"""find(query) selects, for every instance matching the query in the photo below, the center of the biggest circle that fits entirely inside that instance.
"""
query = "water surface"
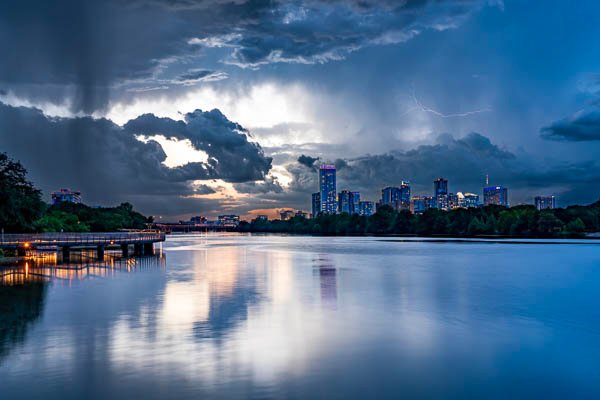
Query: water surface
(230, 316)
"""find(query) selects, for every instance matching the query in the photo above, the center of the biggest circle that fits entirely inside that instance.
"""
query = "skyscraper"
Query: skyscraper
(420, 204)
(440, 186)
(545, 202)
(397, 197)
(440, 193)
(327, 189)
(316, 204)
(497, 195)
(355, 201)
(404, 200)
(366, 208)
(345, 202)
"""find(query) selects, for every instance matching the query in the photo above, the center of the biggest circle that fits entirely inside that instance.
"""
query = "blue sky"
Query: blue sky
(387, 90)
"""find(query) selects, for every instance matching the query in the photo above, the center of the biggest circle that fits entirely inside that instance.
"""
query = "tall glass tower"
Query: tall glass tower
(327, 189)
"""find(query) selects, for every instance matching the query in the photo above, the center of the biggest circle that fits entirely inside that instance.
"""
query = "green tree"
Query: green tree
(576, 226)
(20, 202)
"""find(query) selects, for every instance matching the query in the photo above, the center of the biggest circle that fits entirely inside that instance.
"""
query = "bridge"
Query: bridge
(142, 242)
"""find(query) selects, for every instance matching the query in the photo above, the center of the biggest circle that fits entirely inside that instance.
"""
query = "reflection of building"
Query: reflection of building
(545, 202)
(420, 204)
(366, 208)
(228, 220)
(495, 195)
(327, 186)
(286, 214)
(316, 204)
(327, 283)
(66, 196)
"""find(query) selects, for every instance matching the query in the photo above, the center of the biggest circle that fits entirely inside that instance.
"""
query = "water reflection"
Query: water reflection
(46, 267)
(20, 306)
(277, 317)
(327, 280)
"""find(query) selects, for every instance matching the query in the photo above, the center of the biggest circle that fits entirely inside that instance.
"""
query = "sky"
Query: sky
(205, 107)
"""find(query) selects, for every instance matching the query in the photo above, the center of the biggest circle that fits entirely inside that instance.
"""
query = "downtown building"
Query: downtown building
(495, 195)
(420, 204)
(316, 204)
(396, 197)
(366, 208)
(440, 194)
(66, 196)
(348, 202)
(467, 200)
(545, 202)
(327, 189)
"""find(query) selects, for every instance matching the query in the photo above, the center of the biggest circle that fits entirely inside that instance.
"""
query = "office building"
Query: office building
(453, 201)
(467, 200)
(396, 197)
(345, 201)
(355, 201)
(420, 204)
(366, 208)
(545, 202)
(316, 204)
(198, 220)
(66, 196)
(495, 195)
(327, 189)
(440, 193)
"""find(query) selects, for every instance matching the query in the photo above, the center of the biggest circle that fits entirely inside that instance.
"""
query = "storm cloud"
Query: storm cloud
(581, 127)
(86, 50)
(465, 162)
(109, 164)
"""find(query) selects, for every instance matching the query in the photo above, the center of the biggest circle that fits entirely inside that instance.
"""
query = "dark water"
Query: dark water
(302, 317)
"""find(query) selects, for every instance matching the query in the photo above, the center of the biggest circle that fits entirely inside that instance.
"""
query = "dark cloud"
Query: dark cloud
(582, 127)
(231, 155)
(108, 164)
(308, 161)
(86, 49)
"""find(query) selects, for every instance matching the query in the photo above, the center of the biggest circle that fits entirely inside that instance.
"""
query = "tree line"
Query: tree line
(23, 210)
(518, 221)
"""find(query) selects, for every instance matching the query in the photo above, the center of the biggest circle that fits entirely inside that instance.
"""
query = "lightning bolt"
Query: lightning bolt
(419, 106)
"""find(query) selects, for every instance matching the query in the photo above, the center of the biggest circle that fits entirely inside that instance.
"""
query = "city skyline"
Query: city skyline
(235, 108)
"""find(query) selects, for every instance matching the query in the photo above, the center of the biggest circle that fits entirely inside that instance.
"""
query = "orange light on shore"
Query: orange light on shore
(26, 245)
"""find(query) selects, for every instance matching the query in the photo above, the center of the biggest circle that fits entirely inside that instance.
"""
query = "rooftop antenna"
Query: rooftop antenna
(487, 180)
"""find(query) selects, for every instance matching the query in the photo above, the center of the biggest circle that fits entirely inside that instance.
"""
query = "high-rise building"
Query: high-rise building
(327, 189)
(420, 204)
(316, 204)
(355, 201)
(390, 196)
(467, 200)
(545, 202)
(404, 200)
(497, 195)
(66, 196)
(396, 197)
(344, 201)
(230, 220)
(366, 208)
(440, 186)
(440, 193)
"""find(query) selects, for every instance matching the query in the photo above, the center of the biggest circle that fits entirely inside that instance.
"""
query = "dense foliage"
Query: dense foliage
(70, 217)
(20, 202)
(522, 221)
(22, 208)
